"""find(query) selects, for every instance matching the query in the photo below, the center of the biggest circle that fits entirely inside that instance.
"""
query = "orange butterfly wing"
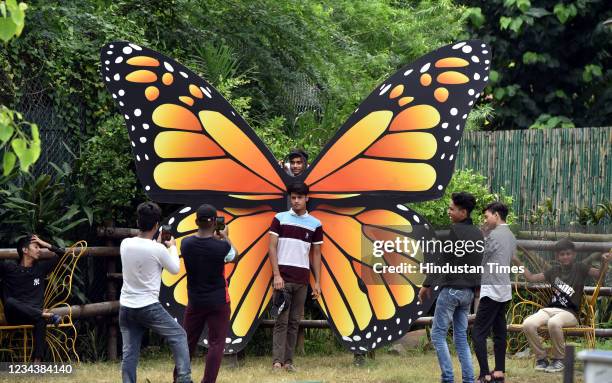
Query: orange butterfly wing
(249, 279)
(366, 306)
(403, 139)
(188, 141)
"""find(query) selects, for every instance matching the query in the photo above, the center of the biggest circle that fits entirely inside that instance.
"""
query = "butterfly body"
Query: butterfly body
(399, 146)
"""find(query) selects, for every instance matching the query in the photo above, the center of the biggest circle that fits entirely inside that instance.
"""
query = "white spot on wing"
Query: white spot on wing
(127, 50)
(168, 67)
(425, 67)
(384, 89)
(459, 45)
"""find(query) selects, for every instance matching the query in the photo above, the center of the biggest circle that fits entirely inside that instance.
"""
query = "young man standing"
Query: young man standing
(567, 281)
(456, 290)
(205, 255)
(23, 290)
(142, 260)
(495, 292)
(292, 234)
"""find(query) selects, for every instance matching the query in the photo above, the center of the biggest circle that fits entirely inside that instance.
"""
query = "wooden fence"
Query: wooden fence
(571, 166)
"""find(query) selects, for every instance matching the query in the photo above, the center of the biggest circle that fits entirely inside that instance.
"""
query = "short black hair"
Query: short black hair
(298, 153)
(564, 244)
(205, 216)
(465, 201)
(497, 207)
(149, 213)
(23, 243)
(298, 188)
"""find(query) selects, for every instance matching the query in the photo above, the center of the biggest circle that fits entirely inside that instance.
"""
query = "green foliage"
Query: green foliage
(467, 181)
(264, 50)
(12, 19)
(15, 143)
(107, 162)
(600, 214)
(546, 121)
(550, 59)
(38, 205)
(545, 214)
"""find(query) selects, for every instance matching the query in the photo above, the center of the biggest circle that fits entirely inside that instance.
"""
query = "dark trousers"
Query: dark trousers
(491, 315)
(18, 313)
(217, 319)
(286, 326)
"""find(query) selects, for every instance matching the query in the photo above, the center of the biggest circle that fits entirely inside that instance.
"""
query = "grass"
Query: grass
(416, 367)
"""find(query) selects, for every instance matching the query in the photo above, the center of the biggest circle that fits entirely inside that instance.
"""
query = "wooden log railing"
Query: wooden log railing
(112, 308)
(113, 251)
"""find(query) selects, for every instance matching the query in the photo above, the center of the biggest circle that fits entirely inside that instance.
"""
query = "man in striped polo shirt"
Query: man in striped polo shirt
(294, 236)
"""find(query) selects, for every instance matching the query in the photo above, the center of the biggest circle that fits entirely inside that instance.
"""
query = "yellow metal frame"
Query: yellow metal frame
(17, 341)
(527, 306)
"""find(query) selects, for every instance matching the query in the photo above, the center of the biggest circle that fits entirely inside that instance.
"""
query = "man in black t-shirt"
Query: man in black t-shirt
(23, 289)
(205, 255)
(567, 282)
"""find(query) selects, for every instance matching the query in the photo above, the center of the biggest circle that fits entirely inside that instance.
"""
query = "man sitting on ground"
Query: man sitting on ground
(567, 281)
(23, 289)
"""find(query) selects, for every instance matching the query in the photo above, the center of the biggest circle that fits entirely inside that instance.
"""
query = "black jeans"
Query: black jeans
(18, 313)
(491, 315)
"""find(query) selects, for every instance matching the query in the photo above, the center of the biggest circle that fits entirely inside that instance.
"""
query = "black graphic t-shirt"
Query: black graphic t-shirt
(26, 284)
(567, 284)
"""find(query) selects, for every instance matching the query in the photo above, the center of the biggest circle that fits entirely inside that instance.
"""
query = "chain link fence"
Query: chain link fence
(37, 107)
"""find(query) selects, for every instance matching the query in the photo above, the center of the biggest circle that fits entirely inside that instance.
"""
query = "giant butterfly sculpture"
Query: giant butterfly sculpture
(399, 146)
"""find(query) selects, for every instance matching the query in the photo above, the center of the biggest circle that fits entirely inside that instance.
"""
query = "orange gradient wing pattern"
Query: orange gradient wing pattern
(366, 306)
(403, 139)
(188, 142)
(249, 280)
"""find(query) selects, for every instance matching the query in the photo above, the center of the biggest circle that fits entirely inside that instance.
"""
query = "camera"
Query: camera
(219, 223)
(166, 233)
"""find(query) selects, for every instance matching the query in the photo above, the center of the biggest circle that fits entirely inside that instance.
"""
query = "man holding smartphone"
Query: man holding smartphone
(142, 260)
(205, 254)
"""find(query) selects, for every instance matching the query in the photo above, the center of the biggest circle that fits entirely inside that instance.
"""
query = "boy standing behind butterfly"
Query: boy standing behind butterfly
(292, 234)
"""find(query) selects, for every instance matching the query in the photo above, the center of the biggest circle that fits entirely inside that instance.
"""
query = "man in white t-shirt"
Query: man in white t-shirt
(142, 260)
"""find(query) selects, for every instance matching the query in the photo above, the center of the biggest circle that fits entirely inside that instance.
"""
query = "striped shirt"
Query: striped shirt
(296, 234)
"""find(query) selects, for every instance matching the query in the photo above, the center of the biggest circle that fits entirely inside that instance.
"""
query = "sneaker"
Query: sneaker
(482, 379)
(56, 319)
(359, 360)
(555, 366)
(542, 364)
(290, 367)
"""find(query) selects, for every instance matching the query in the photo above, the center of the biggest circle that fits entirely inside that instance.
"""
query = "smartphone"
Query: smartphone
(219, 223)
(166, 233)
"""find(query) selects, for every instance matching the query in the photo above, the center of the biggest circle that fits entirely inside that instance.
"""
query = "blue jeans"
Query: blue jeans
(133, 324)
(453, 305)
